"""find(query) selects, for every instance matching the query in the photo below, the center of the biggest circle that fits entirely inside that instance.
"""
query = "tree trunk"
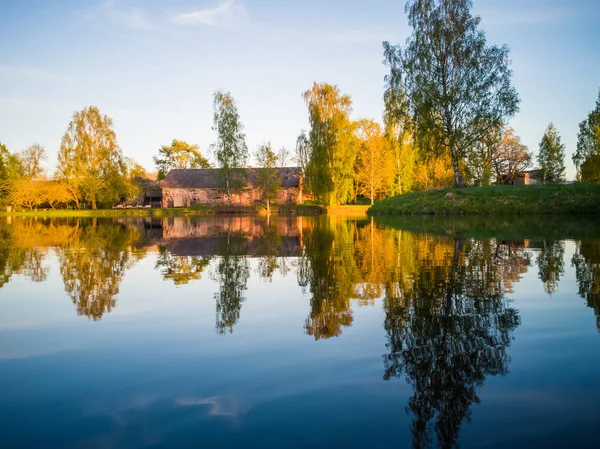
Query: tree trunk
(458, 177)
(228, 191)
(94, 207)
(268, 206)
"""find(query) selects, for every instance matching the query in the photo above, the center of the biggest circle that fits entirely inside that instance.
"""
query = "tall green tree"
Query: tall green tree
(32, 160)
(178, 155)
(267, 178)
(588, 139)
(230, 149)
(333, 144)
(458, 88)
(551, 156)
(590, 169)
(90, 160)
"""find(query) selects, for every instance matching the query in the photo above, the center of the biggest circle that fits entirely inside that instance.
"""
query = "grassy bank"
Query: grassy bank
(299, 210)
(575, 198)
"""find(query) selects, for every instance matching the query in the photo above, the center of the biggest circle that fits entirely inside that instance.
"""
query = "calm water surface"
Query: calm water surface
(299, 332)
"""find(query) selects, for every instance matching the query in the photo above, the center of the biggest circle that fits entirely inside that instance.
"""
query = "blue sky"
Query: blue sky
(152, 65)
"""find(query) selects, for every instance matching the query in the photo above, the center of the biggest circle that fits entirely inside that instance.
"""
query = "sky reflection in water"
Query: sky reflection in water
(296, 332)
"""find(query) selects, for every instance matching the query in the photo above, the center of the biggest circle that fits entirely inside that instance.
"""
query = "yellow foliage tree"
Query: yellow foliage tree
(374, 164)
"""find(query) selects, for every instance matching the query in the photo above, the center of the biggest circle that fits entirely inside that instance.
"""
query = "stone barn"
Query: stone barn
(200, 186)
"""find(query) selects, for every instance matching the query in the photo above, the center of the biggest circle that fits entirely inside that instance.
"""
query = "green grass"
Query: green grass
(577, 198)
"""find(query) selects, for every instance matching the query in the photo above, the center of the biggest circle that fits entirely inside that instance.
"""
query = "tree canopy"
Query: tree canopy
(230, 149)
(332, 144)
(511, 157)
(457, 88)
(268, 180)
(179, 154)
(32, 159)
(374, 164)
(551, 156)
(588, 139)
(90, 160)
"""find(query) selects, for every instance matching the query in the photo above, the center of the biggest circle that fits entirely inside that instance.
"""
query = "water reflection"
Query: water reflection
(337, 262)
(94, 262)
(448, 318)
(448, 326)
(587, 270)
(550, 262)
(330, 274)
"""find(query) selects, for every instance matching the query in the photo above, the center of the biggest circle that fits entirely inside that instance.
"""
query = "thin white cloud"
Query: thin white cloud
(132, 18)
(227, 14)
(33, 73)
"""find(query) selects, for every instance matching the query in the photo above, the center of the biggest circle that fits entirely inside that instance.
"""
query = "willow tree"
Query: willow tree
(230, 149)
(332, 143)
(179, 155)
(458, 89)
(90, 160)
(588, 139)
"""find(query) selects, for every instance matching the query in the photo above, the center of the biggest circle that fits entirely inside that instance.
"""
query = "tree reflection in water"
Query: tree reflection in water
(448, 326)
(551, 264)
(180, 269)
(328, 269)
(447, 320)
(94, 263)
(231, 272)
(587, 272)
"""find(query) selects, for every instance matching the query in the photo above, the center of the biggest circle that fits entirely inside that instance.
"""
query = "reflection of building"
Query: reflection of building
(189, 187)
(207, 237)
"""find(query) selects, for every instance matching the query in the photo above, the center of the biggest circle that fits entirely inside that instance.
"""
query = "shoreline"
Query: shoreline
(198, 211)
(538, 199)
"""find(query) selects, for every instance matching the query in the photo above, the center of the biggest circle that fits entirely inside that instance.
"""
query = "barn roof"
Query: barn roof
(207, 178)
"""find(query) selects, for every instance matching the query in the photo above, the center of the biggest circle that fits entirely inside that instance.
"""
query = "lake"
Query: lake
(296, 332)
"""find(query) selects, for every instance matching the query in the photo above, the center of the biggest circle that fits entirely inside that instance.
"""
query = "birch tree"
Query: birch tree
(230, 149)
(268, 180)
(458, 88)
